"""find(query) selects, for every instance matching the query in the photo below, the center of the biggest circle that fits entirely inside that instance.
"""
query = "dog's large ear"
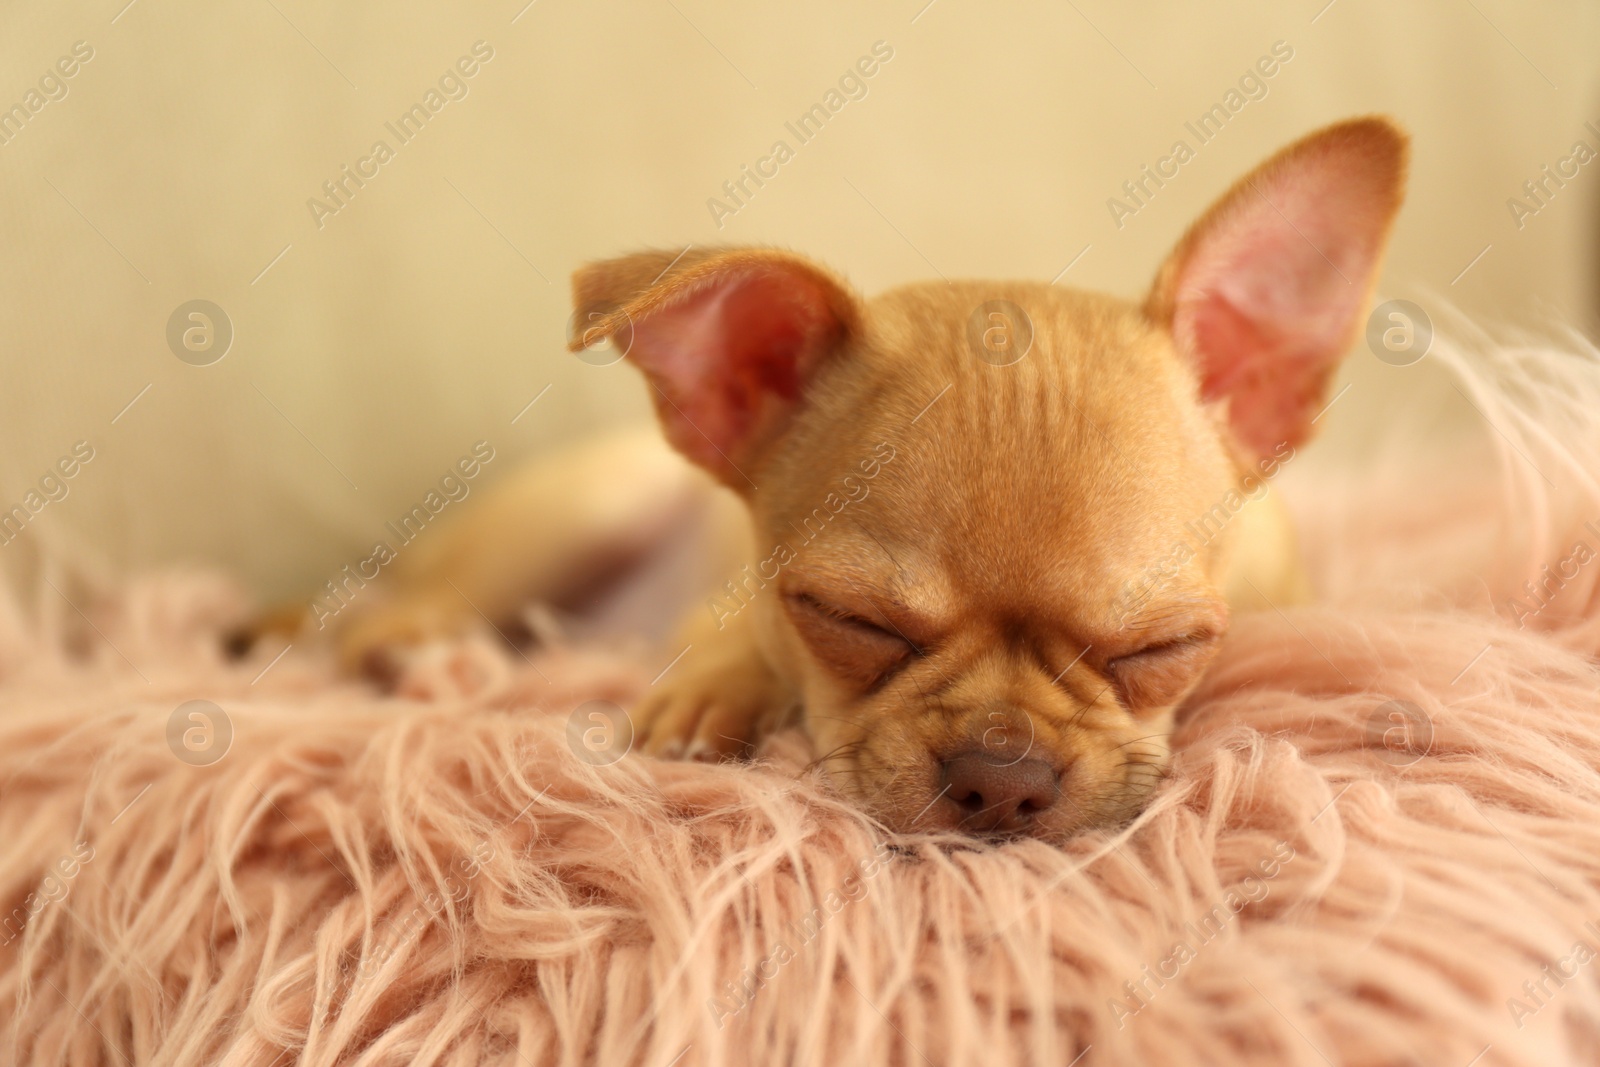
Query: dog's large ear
(1266, 291)
(729, 338)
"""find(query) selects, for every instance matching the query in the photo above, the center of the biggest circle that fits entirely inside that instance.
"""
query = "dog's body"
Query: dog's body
(982, 559)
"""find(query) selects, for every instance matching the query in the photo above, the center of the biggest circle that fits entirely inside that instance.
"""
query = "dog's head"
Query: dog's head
(991, 517)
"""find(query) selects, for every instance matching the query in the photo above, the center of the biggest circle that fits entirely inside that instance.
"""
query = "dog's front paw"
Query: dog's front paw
(716, 709)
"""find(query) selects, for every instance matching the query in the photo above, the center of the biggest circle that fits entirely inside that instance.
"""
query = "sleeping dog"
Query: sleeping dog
(967, 511)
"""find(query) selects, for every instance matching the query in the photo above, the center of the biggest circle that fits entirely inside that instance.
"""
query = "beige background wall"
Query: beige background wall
(426, 313)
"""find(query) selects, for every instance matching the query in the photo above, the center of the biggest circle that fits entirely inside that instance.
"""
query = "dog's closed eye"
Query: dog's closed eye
(1158, 674)
(859, 650)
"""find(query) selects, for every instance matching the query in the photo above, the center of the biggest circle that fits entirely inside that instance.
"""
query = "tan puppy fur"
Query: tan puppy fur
(975, 582)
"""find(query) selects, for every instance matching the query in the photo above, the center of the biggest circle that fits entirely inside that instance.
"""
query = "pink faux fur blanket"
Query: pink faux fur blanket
(1380, 843)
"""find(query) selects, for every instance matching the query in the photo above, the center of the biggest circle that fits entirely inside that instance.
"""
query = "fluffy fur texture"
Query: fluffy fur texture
(439, 879)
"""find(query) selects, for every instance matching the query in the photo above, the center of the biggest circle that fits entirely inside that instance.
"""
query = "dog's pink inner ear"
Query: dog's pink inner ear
(1269, 288)
(729, 360)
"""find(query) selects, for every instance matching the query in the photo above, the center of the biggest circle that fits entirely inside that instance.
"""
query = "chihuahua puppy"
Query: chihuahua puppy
(993, 531)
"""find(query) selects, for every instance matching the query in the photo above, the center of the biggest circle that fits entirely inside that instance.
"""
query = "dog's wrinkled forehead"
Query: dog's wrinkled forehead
(1023, 420)
(1015, 405)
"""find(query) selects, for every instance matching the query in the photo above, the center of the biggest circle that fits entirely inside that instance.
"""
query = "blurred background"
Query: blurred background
(390, 307)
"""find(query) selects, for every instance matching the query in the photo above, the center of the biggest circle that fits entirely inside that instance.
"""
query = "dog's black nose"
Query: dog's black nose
(999, 795)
